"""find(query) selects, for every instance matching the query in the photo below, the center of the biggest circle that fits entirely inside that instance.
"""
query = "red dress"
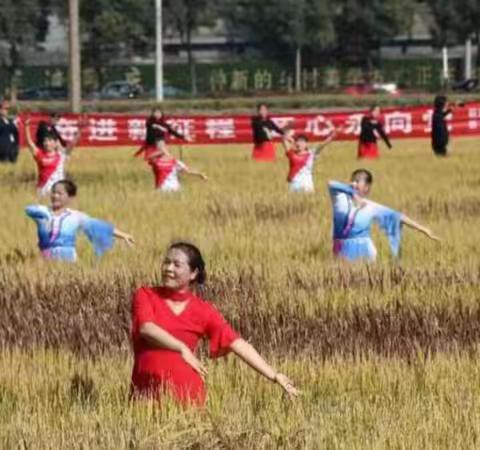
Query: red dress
(264, 151)
(367, 150)
(157, 370)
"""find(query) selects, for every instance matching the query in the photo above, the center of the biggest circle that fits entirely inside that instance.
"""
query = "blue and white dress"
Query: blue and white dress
(352, 225)
(57, 234)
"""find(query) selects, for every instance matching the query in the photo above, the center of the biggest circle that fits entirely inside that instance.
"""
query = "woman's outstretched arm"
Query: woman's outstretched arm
(28, 137)
(194, 173)
(247, 353)
(128, 238)
(418, 227)
(327, 141)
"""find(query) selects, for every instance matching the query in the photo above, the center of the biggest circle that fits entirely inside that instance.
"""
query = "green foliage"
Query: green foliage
(364, 25)
(448, 22)
(22, 24)
(184, 17)
(281, 25)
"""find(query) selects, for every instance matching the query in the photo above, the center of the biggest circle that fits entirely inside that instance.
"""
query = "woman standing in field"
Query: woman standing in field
(59, 225)
(353, 215)
(50, 157)
(158, 130)
(370, 126)
(440, 134)
(167, 323)
(166, 170)
(301, 160)
(263, 128)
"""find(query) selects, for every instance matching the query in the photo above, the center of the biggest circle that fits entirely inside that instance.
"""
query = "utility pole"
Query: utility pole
(158, 52)
(75, 84)
(445, 68)
(468, 59)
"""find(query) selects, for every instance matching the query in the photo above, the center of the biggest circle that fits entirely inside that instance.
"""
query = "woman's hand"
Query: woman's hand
(429, 233)
(287, 385)
(193, 361)
(128, 238)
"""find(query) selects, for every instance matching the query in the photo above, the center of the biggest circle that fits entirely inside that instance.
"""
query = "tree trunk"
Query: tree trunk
(477, 34)
(14, 64)
(191, 62)
(298, 69)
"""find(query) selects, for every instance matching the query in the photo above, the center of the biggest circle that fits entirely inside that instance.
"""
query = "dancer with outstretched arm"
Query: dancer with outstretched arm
(370, 127)
(354, 214)
(301, 160)
(58, 226)
(263, 129)
(157, 132)
(169, 320)
(51, 157)
(167, 169)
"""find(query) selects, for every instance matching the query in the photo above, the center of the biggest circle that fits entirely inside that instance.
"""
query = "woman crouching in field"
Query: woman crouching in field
(301, 160)
(59, 225)
(353, 215)
(167, 323)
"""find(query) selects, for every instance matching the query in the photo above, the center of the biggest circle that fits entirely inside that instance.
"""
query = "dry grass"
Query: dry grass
(386, 354)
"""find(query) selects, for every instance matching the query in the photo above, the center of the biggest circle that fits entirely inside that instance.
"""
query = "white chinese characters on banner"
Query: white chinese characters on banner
(185, 127)
(103, 130)
(473, 118)
(282, 122)
(136, 129)
(319, 126)
(68, 128)
(353, 124)
(220, 128)
(398, 121)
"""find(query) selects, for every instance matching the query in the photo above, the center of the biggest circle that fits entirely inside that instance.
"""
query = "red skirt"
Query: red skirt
(368, 150)
(264, 151)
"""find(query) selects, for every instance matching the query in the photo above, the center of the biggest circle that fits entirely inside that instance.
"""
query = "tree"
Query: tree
(364, 25)
(467, 21)
(288, 26)
(23, 23)
(184, 17)
(112, 29)
(447, 22)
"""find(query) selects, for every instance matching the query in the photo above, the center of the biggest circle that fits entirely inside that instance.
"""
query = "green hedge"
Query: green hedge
(246, 76)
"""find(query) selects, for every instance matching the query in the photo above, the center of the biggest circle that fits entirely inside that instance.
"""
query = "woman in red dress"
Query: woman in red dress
(167, 324)
(263, 128)
(371, 126)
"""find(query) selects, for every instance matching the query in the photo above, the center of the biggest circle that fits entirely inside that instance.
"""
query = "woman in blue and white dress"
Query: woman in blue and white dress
(354, 214)
(58, 226)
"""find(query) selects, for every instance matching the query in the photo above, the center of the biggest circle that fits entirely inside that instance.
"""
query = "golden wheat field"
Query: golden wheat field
(386, 355)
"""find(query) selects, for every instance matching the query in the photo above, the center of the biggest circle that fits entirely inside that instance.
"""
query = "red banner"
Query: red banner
(120, 130)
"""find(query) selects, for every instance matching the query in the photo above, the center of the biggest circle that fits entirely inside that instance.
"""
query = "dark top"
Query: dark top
(368, 127)
(155, 134)
(440, 134)
(260, 126)
(8, 140)
(45, 128)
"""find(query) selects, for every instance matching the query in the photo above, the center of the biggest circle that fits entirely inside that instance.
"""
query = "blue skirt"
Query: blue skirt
(355, 249)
